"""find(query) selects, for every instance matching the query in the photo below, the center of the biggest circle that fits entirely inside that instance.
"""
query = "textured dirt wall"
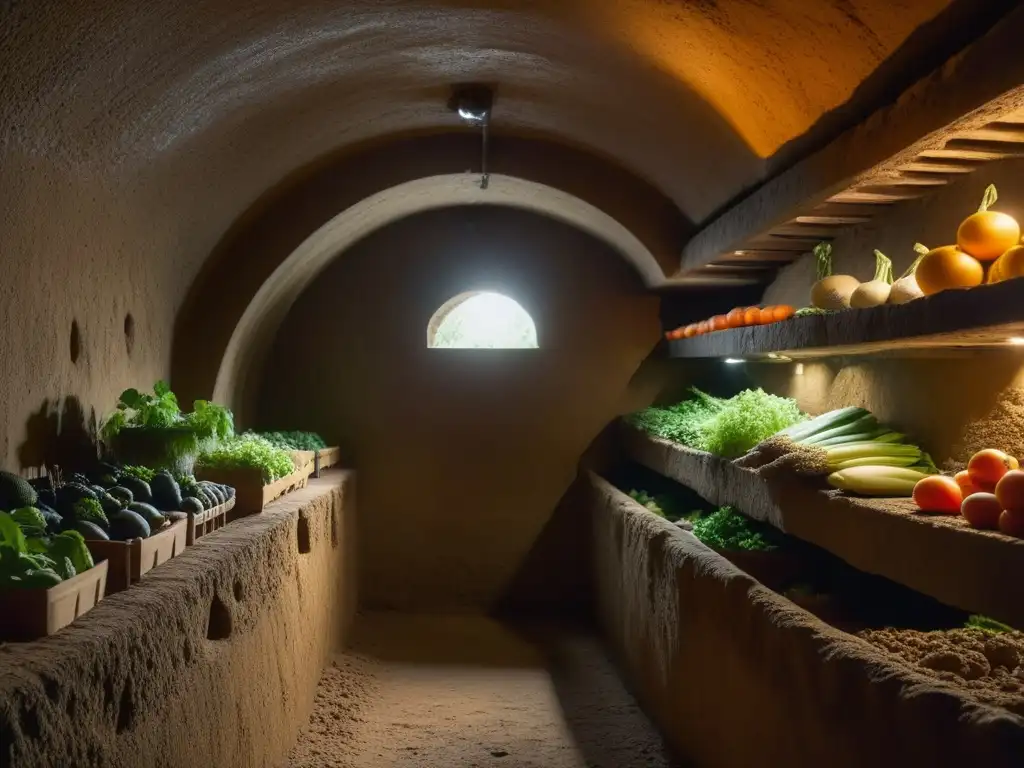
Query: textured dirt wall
(463, 454)
(737, 676)
(212, 660)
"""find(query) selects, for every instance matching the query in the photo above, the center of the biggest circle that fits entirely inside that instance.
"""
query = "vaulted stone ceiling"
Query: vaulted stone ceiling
(225, 99)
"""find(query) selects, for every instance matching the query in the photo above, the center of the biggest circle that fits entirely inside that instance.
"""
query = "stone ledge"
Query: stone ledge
(211, 660)
(940, 556)
(737, 675)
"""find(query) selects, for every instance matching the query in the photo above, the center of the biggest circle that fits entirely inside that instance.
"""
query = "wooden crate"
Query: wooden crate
(129, 561)
(208, 521)
(32, 613)
(251, 495)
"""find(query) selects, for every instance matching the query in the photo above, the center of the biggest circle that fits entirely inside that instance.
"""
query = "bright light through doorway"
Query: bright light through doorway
(482, 320)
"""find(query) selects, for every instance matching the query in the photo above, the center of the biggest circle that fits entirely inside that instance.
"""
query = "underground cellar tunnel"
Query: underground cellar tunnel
(462, 383)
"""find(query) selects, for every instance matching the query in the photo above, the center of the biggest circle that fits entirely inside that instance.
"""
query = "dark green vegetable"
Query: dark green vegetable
(127, 525)
(30, 520)
(193, 505)
(90, 531)
(20, 567)
(15, 492)
(145, 474)
(121, 493)
(148, 513)
(728, 530)
(166, 492)
(91, 510)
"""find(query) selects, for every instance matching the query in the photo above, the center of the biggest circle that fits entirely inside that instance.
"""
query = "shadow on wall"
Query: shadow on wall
(59, 434)
(463, 454)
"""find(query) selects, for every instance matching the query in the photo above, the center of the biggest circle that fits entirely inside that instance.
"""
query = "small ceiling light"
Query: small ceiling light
(473, 103)
(799, 369)
(1016, 341)
(733, 361)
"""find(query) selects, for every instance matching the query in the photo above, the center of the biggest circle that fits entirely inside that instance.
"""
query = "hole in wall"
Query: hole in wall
(239, 594)
(220, 624)
(126, 708)
(334, 528)
(305, 545)
(129, 333)
(75, 342)
(30, 725)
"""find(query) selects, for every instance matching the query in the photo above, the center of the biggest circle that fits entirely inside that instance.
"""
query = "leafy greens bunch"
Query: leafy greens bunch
(295, 440)
(208, 422)
(729, 530)
(38, 562)
(726, 427)
(249, 451)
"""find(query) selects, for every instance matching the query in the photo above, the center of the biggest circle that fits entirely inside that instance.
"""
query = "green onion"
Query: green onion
(830, 420)
(858, 426)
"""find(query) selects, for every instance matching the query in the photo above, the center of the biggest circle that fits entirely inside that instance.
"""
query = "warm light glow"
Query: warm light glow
(799, 369)
(733, 361)
(472, 115)
(1016, 340)
(485, 321)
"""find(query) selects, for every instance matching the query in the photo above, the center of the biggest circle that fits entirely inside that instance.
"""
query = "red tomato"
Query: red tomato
(938, 493)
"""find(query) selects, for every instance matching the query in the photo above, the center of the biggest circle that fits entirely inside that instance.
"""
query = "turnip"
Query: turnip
(906, 288)
(875, 292)
(831, 291)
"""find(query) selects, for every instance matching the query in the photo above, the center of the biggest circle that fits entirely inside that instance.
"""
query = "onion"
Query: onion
(875, 292)
(906, 288)
(831, 291)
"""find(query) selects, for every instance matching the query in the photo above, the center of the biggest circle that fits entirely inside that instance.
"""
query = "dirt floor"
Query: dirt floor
(467, 691)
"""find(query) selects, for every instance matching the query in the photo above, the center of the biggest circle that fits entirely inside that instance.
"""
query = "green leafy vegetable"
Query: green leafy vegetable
(208, 422)
(30, 520)
(727, 529)
(20, 566)
(211, 421)
(249, 451)
(92, 511)
(71, 545)
(142, 473)
(724, 427)
(985, 624)
(295, 441)
(644, 499)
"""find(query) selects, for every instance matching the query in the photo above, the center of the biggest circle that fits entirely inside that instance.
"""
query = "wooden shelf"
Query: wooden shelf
(985, 316)
(940, 556)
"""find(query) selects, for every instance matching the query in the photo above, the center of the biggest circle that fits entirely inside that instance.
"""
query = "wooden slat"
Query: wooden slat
(987, 155)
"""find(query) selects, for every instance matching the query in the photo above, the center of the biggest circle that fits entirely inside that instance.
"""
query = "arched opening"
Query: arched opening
(481, 320)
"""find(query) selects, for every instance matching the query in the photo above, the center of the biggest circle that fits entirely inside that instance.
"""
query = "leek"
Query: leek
(861, 450)
(830, 420)
(862, 437)
(858, 426)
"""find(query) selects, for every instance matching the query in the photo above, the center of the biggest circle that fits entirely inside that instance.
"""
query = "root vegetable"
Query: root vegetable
(947, 267)
(831, 291)
(906, 288)
(988, 466)
(874, 292)
(938, 493)
(987, 235)
(982, 510)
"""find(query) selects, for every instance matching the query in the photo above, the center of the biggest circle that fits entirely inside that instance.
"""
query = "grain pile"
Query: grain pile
(987, 665)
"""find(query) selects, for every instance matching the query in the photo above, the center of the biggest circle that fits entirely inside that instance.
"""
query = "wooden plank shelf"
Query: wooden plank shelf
(986, 316)
(937, 555)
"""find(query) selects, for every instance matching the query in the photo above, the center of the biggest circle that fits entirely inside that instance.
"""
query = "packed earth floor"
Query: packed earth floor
(467, 691)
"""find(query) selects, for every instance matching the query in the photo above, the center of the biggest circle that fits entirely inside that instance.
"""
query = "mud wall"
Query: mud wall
(735, 675)
(463, 454)
(212, 660)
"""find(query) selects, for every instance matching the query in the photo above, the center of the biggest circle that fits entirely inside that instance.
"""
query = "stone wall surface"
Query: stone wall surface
(736, 675)
(212, 660)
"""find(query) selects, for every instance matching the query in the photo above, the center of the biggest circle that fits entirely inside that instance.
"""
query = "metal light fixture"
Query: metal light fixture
(473, 103)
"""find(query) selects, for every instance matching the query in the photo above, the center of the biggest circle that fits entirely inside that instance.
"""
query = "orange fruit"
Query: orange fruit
(987, 235)
(947, 267)
(987, 467)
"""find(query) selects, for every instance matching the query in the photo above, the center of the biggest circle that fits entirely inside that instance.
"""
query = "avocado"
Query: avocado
(99, 490)
(110, 504)
(166, 492)
(207, 498)
(192, 504)
(68, 494)
(90, 531)
(15, 492)
(140, 489)
(229, 491)
(215, 492)
(149, 513)
(122, 493)
(176, 517)
(125, 525)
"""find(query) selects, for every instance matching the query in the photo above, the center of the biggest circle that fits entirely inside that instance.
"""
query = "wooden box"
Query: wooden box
(208, 521)
(129, 561)
(28, 614)
(251, 495)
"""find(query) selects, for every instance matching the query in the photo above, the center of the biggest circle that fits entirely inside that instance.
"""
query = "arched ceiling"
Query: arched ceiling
(215, 101)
